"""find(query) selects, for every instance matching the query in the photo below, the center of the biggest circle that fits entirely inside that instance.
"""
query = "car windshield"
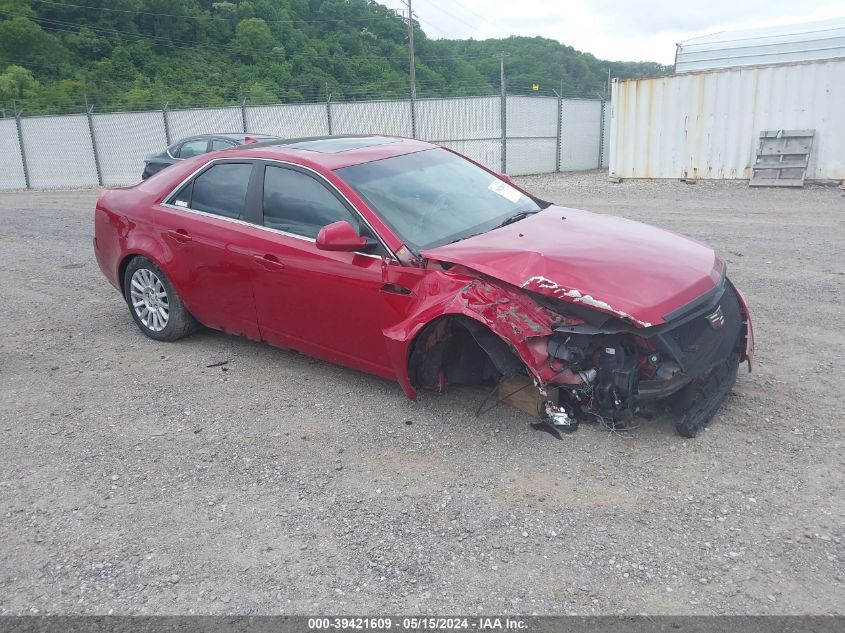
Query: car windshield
(435, 197)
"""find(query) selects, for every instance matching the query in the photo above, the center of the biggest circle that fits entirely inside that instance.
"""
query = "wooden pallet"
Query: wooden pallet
(782, 158)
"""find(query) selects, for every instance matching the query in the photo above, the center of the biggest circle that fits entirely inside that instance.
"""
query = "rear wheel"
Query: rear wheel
(154, 303)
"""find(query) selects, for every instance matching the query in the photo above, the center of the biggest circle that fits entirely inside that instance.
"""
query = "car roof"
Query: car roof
(333, 152)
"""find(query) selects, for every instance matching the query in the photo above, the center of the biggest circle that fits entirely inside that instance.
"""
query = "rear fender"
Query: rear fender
(145, 245)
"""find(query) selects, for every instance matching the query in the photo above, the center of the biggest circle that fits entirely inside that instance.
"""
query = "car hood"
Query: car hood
(613, 265)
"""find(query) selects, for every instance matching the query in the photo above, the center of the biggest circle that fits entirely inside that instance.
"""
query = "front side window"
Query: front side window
(193, 148)
(434, 197)
(295, 202)
(220, 189)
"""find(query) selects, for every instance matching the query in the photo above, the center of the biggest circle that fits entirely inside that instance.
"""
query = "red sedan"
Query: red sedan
(406, 260)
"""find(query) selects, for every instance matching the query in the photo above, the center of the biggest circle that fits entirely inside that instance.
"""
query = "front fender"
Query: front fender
(512, 315)
(748, 348)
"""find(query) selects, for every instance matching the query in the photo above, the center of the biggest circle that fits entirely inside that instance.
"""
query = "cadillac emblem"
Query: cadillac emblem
(716, 319)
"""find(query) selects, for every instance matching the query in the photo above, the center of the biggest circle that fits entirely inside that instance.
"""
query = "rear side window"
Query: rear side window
(193, 148)
(220, 144)
(297, 203)
(220, 190)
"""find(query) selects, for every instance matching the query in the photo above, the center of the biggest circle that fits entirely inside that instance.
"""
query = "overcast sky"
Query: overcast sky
(619, 30)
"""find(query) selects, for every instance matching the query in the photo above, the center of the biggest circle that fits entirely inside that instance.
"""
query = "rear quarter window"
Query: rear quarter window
(193, 148)
(220, 190)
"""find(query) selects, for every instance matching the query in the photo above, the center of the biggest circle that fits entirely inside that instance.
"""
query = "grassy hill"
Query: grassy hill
(136, 54)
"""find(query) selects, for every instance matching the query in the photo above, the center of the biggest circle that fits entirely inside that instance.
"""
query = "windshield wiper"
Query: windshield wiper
(516, 217)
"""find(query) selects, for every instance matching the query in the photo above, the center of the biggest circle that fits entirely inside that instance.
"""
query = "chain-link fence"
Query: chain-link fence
(516, 134)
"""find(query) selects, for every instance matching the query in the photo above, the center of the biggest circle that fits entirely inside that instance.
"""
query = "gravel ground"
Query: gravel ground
(135, 479)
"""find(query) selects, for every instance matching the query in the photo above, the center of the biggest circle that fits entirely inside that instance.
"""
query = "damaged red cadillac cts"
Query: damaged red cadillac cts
(406, 260)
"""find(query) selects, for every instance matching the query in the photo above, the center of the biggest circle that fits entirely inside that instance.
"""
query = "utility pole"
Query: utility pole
(413, 66)
(503, 111)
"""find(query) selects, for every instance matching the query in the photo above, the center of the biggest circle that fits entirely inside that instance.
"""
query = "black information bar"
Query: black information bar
(410, 623)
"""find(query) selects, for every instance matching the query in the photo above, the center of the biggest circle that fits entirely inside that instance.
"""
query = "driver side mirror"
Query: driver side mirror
(505, 177)
(340, 236)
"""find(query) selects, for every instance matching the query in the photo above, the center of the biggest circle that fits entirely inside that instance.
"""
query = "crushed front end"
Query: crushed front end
(610, 368)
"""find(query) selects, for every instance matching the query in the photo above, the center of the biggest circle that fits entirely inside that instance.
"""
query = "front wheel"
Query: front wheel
(154, 303)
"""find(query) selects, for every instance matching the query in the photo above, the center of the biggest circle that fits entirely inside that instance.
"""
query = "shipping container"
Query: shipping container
(707, 124)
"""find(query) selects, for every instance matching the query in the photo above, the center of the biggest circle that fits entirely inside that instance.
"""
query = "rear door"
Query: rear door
(326, 304)
(204, 225)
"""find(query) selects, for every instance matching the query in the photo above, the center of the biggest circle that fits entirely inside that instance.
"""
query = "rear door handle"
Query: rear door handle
(270, 262)
(180, 235)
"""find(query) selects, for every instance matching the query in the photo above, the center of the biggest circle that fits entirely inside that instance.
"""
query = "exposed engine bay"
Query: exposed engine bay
(600, 366)
(692, 358)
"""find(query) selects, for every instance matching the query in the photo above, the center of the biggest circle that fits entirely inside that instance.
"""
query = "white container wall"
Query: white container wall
(707, 125)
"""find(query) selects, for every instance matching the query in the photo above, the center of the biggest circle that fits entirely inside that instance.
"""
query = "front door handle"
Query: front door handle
(270, 262)
(180, 235)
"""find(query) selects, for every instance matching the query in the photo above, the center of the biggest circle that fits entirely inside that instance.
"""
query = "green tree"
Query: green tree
(253, 39)
(17, 83)
(24, 41)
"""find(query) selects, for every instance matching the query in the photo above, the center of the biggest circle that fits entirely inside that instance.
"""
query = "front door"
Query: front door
(325, 304)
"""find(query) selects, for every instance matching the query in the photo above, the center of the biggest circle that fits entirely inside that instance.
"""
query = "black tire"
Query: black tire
(698, 402)
(180, 322)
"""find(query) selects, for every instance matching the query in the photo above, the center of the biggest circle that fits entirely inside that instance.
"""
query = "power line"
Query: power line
(205, 17)
(460, 19)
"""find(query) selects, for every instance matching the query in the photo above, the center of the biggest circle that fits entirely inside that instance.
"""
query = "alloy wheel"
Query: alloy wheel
(149, 299)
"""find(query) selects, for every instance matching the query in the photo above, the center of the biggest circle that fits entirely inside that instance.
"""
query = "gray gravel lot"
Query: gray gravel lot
(134, 479)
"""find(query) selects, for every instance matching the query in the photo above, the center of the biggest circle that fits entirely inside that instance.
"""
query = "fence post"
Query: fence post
(243, 114)
(20, 144)
(559, 131)
(601, 134)
(413, 116)
(166, 123)
(503, 112)
(88, 113)
(329, 109)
